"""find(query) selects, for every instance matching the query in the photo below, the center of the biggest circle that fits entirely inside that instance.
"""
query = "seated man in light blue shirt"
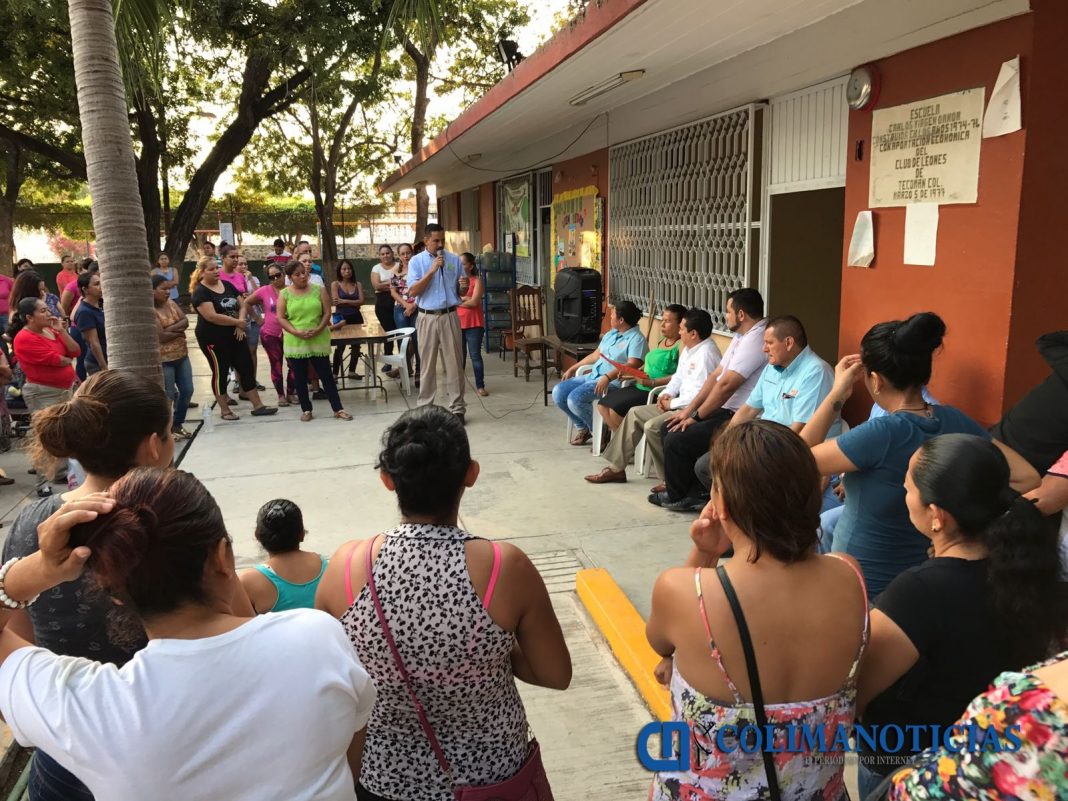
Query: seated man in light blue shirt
(623, 343)
(790, 388)
(433, 280)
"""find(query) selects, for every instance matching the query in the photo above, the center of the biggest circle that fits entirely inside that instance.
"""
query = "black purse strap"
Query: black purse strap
(754, 681)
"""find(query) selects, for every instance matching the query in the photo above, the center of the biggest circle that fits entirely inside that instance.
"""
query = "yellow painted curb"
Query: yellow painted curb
(624, 629)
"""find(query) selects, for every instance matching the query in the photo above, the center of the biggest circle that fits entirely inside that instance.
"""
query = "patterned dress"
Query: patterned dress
(1038, 770)
(459, 661)
(715, 775)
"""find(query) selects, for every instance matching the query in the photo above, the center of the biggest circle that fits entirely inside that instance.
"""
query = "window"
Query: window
(683, 214)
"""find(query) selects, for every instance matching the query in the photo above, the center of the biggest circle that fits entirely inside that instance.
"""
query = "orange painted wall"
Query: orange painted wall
(971, 284)
(1040, 294)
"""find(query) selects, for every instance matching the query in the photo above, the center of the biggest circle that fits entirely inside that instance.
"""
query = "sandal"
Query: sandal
(306, 417)
(342, 415)
(283, 402)
(264, 411)
(230, 416)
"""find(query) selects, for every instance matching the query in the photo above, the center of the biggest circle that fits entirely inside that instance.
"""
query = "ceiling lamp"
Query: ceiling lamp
(588, 94)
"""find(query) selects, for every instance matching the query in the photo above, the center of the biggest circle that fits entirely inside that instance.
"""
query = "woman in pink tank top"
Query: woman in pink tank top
(807, 616)
(468, 617)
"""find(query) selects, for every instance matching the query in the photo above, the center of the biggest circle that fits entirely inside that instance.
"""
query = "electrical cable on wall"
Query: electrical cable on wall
(536, 165)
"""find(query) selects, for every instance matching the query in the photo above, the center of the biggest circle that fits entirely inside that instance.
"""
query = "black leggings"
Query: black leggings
(384, 312)
(225, 352)
(322, 367)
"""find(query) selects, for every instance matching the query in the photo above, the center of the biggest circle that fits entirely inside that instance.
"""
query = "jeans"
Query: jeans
(49, 781)
(868, 780)
(178, 384)
(400, 321)
(79, 367)
(322, 367)
(473, 341)
(575, 396)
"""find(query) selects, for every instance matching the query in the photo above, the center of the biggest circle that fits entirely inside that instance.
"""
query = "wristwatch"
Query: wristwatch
(695, 415)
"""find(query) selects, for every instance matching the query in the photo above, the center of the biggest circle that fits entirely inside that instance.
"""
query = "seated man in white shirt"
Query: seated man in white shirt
(699, 358)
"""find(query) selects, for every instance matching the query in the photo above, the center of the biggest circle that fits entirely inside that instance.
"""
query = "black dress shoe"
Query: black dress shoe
(688, 504)
(658, 498)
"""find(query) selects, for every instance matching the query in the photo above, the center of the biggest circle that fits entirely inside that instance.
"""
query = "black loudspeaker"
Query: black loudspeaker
(578, 305)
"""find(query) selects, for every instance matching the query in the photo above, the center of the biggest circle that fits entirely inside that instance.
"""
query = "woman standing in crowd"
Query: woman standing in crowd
(7, 285)
(271, 332)
(26, 285)
(70, 295)
(174, 353)
(116, 421)
(807, 615)
(405, 311)
(660, 365)
(1033, 703)
(895, 362)
(381, 274)
(158, 544)
(304, 314)
(89, 320)
(290, 576)
(347, 295)
(163, 269)
(463, 637)
(472, 320)
(45, 353)
(993, 579)
(255, 320)
(67, 272)
(220, 333)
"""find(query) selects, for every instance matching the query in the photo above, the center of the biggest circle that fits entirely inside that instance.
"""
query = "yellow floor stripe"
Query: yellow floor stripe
(624, 629)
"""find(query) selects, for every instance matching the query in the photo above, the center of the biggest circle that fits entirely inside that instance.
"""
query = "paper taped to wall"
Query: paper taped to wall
(921, 233)
(862, 245)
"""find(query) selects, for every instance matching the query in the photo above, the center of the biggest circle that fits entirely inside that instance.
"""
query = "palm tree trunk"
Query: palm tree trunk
(118, 218)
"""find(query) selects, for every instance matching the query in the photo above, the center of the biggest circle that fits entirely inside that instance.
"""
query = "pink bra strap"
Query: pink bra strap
(493, 576)
(867, 617)
(711, 642)
(348, 572)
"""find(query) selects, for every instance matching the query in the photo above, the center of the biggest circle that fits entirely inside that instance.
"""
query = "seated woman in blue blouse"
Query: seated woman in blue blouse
(895, 362)
(623, 343)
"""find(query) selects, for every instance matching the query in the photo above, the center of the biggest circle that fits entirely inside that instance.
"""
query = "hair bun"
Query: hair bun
(920, 334)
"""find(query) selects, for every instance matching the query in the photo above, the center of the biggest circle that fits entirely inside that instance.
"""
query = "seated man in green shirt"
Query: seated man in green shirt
(660, 364)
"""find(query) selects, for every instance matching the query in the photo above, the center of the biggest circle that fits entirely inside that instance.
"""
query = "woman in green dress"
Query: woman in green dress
(304, 313)
(660, 364)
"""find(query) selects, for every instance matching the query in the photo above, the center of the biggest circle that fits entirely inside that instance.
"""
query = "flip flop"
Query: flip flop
(342, 415)
(283, 402)
(231, 416)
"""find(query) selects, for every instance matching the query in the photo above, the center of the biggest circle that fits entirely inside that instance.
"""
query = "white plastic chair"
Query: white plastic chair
(400, 337)
(585, 369)
(641, 453)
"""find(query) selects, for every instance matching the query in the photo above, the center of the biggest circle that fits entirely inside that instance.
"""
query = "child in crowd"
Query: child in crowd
(290, 576)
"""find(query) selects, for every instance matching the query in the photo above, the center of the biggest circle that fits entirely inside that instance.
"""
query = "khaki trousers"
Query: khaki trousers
(440, 334)
(640, 421)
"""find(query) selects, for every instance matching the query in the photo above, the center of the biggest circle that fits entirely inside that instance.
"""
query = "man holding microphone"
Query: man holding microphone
(433, 280)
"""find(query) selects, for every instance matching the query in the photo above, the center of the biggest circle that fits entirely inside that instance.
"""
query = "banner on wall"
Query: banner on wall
(577, 222)
(516, 208)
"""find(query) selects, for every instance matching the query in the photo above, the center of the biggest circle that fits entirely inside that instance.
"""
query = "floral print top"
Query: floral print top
(1038, 770)
(715, 774)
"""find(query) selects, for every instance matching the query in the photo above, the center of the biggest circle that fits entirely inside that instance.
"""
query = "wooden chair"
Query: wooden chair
(528, 323)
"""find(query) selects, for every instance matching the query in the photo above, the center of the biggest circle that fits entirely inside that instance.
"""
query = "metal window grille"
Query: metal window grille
(681, 222)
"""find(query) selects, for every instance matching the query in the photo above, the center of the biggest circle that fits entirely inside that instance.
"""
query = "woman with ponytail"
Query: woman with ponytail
(173, 722)
(986, 601)
(895, 363)
(116, 421)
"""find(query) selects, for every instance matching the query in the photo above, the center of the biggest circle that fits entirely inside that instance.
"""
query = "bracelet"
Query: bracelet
(4, 599)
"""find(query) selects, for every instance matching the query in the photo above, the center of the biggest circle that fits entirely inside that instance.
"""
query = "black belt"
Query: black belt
(438, 311)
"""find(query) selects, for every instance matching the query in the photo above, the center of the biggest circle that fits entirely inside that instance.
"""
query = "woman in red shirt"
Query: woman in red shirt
(46, 353)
